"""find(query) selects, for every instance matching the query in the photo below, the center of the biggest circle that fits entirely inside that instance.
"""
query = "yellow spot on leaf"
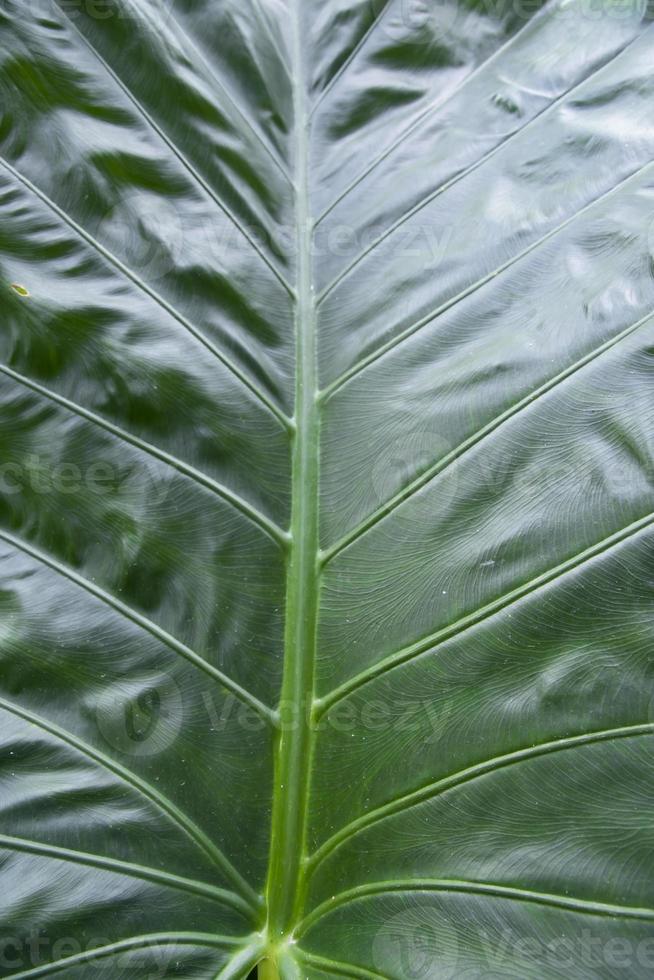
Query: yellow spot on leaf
(19, 289)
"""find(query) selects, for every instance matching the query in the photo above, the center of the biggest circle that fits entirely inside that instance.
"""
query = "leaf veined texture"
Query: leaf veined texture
(326, 489)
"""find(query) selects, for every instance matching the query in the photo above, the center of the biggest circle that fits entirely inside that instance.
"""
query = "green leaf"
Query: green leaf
(326, 489)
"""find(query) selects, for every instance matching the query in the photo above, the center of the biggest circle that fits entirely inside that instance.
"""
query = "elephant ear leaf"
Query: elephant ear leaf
(326, 489)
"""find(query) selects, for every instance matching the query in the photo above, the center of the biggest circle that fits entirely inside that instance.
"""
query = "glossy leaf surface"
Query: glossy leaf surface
(326, 489)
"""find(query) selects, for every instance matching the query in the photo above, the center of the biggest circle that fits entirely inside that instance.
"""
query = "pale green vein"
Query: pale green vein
(201, 57)
(294, 748)
(128, 869)
(390, 345)
(172, 146)
(439, 786)
(142, 621)
(377, 17)
(254, 390)
(459, 451)
(160, 800)
(243, 962)
(152, 941)
(438, 104)
(239, 503)
(493, 890)
(264, 20)
(429, 643)
(341, 969)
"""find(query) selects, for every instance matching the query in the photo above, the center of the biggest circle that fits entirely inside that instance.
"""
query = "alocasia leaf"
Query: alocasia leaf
(326, 489)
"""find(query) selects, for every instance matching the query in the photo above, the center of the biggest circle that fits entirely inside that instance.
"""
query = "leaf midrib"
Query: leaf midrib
(285, 883)
(303, 568)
